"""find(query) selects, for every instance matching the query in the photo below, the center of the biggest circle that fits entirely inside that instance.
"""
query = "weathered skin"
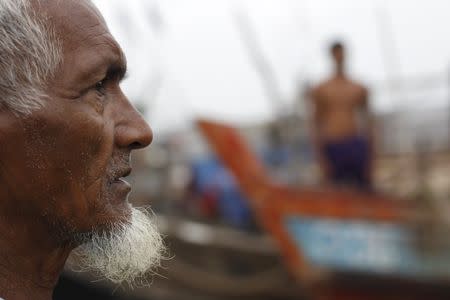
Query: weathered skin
(340, 109)
(59, 165)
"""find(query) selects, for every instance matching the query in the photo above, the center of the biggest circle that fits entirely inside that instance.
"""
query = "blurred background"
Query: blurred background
(253, 65)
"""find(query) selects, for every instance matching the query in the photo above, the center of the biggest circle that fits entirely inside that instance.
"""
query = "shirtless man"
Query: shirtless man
(342, 127)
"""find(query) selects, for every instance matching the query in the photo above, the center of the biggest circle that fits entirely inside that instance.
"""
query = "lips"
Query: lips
(119, 187)
(119, 176)
(123, 173)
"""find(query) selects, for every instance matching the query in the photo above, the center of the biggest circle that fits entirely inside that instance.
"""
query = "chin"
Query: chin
(114, 214)
(127, 253)
(116, 208)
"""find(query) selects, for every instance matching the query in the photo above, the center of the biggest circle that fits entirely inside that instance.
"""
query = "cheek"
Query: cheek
(16, 176)
(67, 157)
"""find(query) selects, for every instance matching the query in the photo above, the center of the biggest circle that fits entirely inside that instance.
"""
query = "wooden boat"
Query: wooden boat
(341, 244)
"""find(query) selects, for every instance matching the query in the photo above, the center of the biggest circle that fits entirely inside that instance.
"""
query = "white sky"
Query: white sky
(198, 56)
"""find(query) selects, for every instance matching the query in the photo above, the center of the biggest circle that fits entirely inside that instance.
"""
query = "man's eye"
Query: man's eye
(100, 87)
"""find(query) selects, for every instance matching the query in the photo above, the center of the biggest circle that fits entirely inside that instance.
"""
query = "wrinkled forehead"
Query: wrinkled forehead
(72, 15)
(83, 32)
(57, 9)
(72, 19)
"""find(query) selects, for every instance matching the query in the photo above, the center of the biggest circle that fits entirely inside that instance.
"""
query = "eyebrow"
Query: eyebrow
(117, 71)
(107, 67)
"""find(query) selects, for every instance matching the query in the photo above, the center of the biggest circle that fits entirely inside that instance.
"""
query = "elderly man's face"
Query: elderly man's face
(64, 163)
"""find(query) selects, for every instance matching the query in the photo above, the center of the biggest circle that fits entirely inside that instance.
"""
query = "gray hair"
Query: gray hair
(30, 53)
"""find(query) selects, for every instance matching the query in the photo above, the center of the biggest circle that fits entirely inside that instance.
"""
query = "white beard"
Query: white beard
(126, 254)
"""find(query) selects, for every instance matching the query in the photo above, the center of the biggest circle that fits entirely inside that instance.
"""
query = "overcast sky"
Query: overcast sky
(194, 52)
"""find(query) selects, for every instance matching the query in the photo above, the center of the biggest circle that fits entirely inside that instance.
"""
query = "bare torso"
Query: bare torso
(339, 106)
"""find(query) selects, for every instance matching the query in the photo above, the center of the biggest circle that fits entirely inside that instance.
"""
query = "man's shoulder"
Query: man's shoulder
(357, 85)
(325, 84)
(321, 87)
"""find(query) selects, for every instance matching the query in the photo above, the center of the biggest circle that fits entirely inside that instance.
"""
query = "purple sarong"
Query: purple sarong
(349, 160)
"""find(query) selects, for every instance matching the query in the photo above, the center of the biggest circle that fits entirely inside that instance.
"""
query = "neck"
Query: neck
(339, 72)
(30, 260)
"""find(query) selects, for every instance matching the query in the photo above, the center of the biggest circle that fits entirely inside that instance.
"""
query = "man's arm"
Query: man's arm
(315, 125)
(371, 130)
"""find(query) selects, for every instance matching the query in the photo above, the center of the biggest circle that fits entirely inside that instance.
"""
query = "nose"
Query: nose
(132, 131)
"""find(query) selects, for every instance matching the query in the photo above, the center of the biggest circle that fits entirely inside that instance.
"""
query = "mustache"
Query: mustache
(120, 165)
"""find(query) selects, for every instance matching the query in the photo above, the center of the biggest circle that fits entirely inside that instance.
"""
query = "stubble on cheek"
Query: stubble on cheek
(68, 160)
